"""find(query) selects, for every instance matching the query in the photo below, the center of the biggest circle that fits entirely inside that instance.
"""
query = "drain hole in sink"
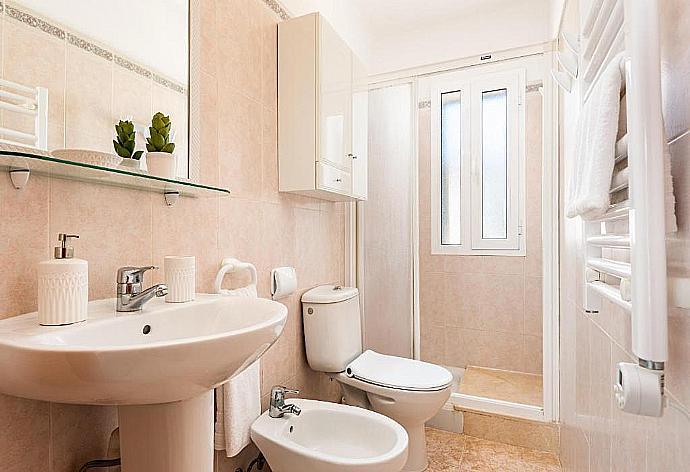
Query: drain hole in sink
(147, 329)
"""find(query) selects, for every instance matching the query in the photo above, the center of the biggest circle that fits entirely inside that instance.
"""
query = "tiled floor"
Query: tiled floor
(516, 387)
(452, 452)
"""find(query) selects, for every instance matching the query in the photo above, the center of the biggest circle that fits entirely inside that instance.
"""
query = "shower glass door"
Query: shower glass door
(385, 231)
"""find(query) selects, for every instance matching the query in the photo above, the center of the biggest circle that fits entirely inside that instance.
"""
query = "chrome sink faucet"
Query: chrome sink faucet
(278, 406)
(130, 295)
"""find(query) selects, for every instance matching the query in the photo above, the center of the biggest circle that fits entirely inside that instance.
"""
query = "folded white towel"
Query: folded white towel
(238, 404)
(238, 401)
(595, 146)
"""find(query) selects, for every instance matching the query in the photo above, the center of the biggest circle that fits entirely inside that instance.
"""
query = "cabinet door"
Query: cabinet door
(360, 128)
(335, 89)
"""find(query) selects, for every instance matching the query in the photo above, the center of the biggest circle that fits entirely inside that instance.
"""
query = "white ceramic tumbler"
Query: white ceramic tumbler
(180, 277)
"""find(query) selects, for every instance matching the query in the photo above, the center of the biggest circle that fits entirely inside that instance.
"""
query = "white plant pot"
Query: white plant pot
(132, 163)
(161, 164)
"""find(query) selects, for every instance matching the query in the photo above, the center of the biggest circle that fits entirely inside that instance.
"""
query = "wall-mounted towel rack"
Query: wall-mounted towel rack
(18, 99)
(625, 249)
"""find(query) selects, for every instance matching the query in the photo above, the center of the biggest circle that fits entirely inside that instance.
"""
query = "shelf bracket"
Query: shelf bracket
(171, 197)
(19, 177)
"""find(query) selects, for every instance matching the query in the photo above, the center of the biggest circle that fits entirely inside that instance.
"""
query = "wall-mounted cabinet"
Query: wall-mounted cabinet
(322, 112)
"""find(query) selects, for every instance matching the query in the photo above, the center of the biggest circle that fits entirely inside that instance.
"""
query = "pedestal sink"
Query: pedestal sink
(158, 366)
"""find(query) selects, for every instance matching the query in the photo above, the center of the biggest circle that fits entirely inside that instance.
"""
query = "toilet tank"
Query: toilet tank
(332, 327)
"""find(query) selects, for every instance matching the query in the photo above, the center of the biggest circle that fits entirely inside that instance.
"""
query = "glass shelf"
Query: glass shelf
(42, 163)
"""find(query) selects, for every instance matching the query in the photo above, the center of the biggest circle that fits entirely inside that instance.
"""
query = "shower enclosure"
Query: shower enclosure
(455, 244)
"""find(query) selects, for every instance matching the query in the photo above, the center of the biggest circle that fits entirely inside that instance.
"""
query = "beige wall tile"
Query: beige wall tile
(45, 69)
(190, 227)
(25, 241)
(132, 97)
(88, 94)
(269, 155)
(433, 341)
(533, 354)
(114, 226)
(209, 162)
(491, 348)
(486, 296)
(534, 311)
(239, 142)
(239, 45)
(269, 59)
(209, 33)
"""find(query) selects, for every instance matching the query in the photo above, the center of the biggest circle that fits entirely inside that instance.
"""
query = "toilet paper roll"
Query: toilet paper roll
(283, 282)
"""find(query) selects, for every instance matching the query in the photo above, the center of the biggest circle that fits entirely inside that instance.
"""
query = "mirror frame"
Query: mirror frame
(194, 91)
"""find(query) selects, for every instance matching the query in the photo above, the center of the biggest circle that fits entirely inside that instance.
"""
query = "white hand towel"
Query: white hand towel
(595, 146)
(238, 401)
(238, 404)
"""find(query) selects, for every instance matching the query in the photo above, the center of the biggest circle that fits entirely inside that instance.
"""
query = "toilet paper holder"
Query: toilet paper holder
(283, 282)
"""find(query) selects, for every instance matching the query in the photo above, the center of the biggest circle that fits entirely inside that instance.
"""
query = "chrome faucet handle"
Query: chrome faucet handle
(278, 393)
(278, 408)
(132, 275)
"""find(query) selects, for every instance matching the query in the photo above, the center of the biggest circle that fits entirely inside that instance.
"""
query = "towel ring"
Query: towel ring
(230, 264)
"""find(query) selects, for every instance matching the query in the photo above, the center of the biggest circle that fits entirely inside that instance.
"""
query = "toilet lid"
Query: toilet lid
(398, 372)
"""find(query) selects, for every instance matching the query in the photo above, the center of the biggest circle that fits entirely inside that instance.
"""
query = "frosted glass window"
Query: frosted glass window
(495, 164)
(451, 226)
(477, 191)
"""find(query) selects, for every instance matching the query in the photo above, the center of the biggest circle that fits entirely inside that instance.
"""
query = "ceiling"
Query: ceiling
(391, 35)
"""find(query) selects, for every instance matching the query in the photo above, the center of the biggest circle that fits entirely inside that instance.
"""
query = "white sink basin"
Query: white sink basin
(108, 360)
(329, 437)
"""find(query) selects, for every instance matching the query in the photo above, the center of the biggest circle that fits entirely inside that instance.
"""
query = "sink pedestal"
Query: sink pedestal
(169, 437)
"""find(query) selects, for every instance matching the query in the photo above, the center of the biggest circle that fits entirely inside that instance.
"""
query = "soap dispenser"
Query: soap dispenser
(63, 286)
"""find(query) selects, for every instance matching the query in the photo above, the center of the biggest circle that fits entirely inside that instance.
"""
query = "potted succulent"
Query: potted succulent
(159, 157)
(125, 143)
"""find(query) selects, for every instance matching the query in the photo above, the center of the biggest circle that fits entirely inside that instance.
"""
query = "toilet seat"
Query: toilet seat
(398, 372)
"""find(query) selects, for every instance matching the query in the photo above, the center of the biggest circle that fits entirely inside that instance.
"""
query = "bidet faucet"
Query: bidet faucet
(278, 406)
(130, 296)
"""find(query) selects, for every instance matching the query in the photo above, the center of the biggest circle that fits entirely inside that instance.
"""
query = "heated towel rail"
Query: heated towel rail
(19, 100)
(625, 249)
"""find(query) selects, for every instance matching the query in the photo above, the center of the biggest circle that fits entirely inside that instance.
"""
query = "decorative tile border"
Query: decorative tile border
(89, 46)
(122, 62)
(86, 45)
(278, 9)
(34, 22)
(168, 83)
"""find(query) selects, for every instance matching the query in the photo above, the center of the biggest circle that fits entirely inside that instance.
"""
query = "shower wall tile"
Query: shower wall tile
(487, 303)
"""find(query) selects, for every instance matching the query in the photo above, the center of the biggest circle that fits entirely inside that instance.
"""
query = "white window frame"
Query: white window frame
(471, 85)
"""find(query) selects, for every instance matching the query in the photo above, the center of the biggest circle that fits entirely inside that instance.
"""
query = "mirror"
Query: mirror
(100, 62)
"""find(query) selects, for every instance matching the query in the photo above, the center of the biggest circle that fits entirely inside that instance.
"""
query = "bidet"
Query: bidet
(329, 437)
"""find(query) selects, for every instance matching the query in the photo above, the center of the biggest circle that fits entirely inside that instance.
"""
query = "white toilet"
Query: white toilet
(410, 392)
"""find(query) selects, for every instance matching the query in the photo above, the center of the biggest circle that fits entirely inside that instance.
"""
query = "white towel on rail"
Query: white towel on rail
(669, 197)
(238, 401)
(595, 146)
